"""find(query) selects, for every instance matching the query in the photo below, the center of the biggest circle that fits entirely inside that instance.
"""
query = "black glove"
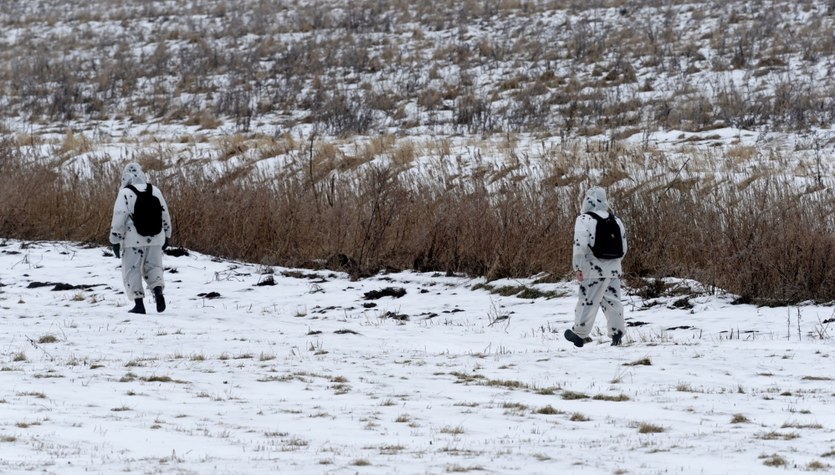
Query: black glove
(165, 244)
(116, 248)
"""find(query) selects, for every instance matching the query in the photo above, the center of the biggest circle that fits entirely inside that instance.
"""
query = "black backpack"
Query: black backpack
(147, 212)
(608, 242)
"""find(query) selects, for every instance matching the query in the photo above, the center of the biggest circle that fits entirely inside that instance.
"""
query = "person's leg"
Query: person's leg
(153, 274)
(152, 267)
(613, 310)
(591, 293)
(132, 277)
(132, 272)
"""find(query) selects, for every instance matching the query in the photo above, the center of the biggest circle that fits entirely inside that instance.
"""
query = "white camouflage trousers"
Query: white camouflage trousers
(594, 294)
(138, 264)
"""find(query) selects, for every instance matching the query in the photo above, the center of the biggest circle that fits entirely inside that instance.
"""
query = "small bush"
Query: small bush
(640, 362)
(507, 384)
(816, 465)
(606, 397)
(739, 419)
(773, 435)
(816, 378)
(548, 410)
(774, 461)
(571, 395)
(456, 430)
(578, 417)
(799, 425)
(647, 428)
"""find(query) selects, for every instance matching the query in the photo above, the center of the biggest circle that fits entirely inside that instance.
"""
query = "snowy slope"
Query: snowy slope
(301, 377)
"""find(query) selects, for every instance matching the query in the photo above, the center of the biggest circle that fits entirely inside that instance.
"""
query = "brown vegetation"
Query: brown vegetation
(763, 239)
(562, 66)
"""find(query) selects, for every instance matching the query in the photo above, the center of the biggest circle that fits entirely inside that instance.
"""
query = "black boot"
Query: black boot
(617, 337)
(160, 299)
(574, 338)
(139, 307)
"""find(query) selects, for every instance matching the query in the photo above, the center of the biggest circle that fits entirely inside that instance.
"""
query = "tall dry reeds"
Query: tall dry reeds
(767, 238)
(40, 202)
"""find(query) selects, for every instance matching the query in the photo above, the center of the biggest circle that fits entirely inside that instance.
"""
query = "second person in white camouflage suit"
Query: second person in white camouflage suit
(599, 279)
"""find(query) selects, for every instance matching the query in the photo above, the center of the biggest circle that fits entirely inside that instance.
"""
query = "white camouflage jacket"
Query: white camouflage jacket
(584, 229)
(122, 230)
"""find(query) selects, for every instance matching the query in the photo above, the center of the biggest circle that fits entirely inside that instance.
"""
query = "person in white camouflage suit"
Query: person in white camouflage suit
(141, 255)
(599, 279)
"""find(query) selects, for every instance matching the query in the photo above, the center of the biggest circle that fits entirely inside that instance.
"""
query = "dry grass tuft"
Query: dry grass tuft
(739, 419)
(648, 428)
(774, 460)
(548, 410)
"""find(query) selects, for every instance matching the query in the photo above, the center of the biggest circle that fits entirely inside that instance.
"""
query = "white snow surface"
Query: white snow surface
(301, 377)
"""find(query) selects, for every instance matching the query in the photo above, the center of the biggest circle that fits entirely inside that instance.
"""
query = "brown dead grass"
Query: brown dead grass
(766, 242)
(301, 65)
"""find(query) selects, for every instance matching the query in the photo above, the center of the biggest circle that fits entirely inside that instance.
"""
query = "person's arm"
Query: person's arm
(121, 211)
(166, 216)
(623, 235)
(580, 247)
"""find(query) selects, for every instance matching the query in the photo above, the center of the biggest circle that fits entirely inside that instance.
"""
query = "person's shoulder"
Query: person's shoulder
(585, 220)
(620, 222)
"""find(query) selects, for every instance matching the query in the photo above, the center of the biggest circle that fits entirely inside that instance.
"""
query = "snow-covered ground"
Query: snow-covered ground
(311, 375)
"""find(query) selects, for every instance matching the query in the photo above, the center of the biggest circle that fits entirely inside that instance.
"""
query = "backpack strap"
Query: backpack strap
(598, 218)
(149, 189)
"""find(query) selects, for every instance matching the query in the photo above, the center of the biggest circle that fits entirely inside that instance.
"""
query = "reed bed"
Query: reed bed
(762, 235)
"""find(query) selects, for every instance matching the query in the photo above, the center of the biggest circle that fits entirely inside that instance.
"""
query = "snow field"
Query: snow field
(301, 377)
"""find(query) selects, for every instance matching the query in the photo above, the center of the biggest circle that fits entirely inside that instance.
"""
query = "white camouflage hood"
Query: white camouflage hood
(133, 175)
(595, 200)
